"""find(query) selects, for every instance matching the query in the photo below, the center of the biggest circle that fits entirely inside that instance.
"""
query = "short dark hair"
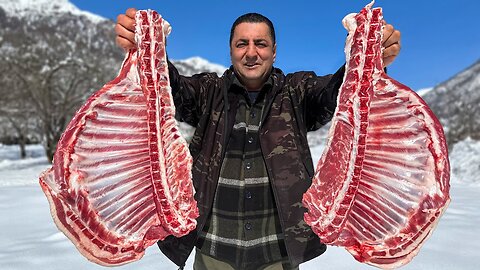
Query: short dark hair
(252, 18)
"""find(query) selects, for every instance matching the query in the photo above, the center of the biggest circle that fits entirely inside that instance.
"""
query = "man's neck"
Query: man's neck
(253, 86)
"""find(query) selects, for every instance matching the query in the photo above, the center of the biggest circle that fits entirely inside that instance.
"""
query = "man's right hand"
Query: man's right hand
(125, 29)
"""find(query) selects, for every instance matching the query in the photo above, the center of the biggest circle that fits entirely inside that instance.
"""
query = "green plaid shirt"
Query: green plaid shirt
(243, 228)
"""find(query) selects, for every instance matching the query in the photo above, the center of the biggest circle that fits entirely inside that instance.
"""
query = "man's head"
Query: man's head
(252, 49)
(253, 18)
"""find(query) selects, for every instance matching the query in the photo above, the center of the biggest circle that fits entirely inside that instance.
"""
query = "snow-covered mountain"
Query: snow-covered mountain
(56, 30)
(422, 92)
(40, 8)
(39, 37)
(70, 25)
(456, 102)
(64, 23)
(195, 65)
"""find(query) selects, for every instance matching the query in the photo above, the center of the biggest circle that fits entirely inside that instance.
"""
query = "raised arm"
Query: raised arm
(321, 91)
(189, 93)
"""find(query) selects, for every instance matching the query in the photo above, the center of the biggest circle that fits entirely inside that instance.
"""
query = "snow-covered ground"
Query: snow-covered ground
(30, 240)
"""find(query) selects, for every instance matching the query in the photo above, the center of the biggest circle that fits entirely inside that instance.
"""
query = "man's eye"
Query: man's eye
(241, 45)
(261, 45)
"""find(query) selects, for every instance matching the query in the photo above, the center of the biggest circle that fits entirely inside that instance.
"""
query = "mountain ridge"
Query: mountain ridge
(456, 104)
(53, 49)
(39, 8)
(28, 11)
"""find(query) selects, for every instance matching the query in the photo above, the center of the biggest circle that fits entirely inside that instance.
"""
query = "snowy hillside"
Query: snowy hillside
(465, 162)
(456, 102)
(194, 65)
(72, 48)
(36, 8)
(422, 92)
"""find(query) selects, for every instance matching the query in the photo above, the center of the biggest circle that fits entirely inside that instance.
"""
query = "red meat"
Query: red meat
(383, 180)
(121, 177)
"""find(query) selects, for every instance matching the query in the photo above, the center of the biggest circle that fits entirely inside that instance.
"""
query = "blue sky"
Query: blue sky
(439, 38)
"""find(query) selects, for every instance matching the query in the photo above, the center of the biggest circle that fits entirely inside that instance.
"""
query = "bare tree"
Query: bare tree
(52, 92)
(51, 65)
(15, 107)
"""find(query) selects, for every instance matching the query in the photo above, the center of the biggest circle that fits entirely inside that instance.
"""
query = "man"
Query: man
(252, 163)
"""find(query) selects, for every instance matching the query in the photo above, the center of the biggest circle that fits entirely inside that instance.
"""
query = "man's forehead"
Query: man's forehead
(255, 30)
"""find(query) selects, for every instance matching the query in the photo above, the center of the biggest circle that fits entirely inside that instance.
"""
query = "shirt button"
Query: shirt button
(248, 195)
(248, 226)
(252, 114)
(250, 140)
(248, 165)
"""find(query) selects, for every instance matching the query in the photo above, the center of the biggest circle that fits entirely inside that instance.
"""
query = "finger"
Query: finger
(124, 43)
(394, 38)
(125, 33)
(390, 53)
(388, 60)
(131, 12)
(387, 32)
(126, 21)
(392, 50)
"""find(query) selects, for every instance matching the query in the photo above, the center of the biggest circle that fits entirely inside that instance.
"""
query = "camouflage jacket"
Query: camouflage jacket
(297, 103)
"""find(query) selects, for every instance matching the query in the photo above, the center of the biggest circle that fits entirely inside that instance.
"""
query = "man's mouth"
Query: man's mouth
(251, 65)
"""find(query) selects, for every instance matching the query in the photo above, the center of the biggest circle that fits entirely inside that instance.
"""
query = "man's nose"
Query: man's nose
(251, 51)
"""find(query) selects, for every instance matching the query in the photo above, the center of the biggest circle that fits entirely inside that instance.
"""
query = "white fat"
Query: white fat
(167, 28)
(349, 22)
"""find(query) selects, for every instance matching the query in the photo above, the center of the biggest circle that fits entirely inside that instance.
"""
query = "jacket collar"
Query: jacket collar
(276, 80)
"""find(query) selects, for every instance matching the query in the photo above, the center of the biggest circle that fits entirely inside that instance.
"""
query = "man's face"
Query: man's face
(252, 52)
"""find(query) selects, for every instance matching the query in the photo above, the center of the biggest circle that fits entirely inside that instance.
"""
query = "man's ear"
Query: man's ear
(274, 52)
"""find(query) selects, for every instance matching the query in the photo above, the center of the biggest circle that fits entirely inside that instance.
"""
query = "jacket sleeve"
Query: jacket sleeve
(190, 93)
(320, 97)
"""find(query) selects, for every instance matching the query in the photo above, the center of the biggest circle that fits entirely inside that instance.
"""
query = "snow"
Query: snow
(423, 91)
(202, 64)
(17, 172)
(30, 240)
(27, 8)
(466, 153)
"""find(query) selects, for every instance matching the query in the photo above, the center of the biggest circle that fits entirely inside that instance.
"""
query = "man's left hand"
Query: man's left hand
(390, 43)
